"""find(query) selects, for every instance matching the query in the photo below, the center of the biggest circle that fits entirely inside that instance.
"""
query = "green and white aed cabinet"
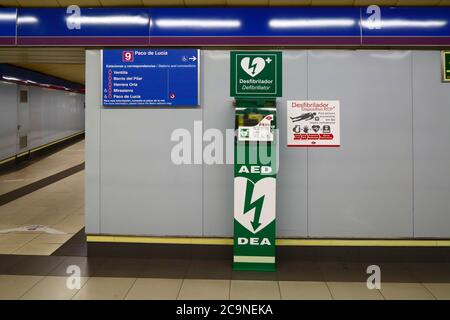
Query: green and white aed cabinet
(255, 170)
(255, 82)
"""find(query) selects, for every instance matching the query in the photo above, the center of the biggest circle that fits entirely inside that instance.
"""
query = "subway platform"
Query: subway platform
(42, 236)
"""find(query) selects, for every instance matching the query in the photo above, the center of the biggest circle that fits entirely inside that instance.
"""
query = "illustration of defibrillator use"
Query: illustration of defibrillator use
(305, 116)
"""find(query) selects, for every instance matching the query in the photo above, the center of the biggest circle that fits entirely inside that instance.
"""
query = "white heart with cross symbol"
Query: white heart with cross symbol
(255, 67)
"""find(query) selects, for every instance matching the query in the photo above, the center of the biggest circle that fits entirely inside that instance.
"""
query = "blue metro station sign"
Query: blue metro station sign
(150, 77)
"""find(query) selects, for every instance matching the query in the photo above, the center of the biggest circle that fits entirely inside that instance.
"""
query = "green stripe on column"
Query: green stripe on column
(254, 259)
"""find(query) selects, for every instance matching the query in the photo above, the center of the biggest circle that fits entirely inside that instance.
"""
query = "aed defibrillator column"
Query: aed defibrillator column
(255, 82)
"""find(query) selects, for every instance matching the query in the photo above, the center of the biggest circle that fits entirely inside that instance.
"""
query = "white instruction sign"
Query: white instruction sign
(263, 131)
(313, 123)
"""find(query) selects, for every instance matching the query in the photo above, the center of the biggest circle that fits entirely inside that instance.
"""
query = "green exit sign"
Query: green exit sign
(446, 66)
(255, 74)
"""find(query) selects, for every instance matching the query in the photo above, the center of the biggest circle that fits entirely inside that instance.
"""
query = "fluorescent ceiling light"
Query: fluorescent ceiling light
(310, 23)
(7, 16)
(8, 78)
(400, 23)
(108, 20)
(26, 19)
(197, 23)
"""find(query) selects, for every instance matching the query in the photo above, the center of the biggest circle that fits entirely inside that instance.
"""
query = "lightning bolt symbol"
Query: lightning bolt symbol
(249, 205)
(253, 66)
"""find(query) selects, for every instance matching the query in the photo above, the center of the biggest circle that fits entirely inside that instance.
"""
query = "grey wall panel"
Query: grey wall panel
(142, 191)
(54, 115)
(218, 113)
(8, 119)
(92, 144)
(431, 147)
(363, 188)
(292, 174)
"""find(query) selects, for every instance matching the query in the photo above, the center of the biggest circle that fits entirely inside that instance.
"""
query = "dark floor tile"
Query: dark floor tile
(343, 272)
(34, 265)
(209, 269)
(121, 268)
(430, 272)
(79, 237)
(75, 246)
(338, 254)
(6, 261)
(392, 271)
(166, 268)
(211, 252)
(87, 266)
(404, 254)
(299, 271)
(291, 253)
(73, 249)
(137, 250)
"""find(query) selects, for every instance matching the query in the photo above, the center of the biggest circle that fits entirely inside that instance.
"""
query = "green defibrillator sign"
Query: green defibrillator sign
(255, 74)
(255, 170)
(446, 66)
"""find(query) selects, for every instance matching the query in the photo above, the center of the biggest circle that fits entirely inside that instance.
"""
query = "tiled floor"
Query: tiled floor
(47, 166)
(58, 206)
(26, 277)
(118, 288)
(304, 290)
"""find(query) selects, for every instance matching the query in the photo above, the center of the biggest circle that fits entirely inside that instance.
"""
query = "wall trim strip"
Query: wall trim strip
(279, 242)
(2, 161)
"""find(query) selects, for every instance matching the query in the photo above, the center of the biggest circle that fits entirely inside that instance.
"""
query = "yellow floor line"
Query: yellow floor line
(7, 160)
(39, 148)
(55, 142)
(280, 242)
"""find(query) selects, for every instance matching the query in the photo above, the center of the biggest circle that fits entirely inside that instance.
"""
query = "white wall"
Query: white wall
(54, 114)
(8, 119)
(389, 179)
